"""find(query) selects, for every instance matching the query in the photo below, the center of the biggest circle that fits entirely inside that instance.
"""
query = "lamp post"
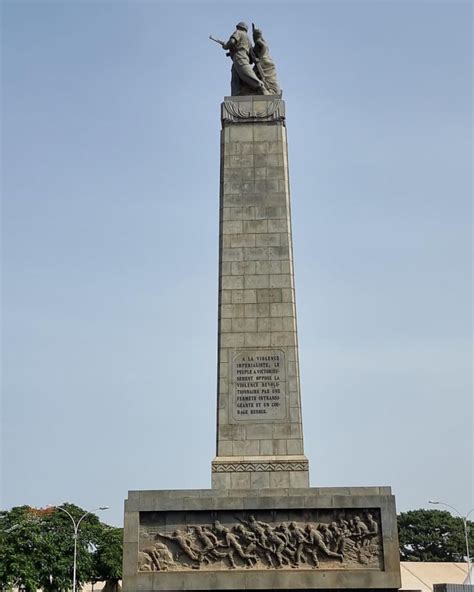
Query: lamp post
(76, 531)
(466, 532)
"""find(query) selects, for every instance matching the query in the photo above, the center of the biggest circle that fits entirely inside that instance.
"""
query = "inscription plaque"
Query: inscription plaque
(259, 386)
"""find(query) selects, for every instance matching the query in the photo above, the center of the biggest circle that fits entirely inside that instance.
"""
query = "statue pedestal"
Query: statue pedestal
(260, 527)
(370, 560)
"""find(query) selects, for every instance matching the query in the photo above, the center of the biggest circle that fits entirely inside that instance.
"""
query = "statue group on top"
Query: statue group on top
(253, 543)
(253, 70)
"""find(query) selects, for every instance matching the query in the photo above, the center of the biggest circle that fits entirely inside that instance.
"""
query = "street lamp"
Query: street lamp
(76, 531)
(466, 531)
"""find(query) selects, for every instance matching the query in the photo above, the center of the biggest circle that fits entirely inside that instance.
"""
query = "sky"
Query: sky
(110, 188)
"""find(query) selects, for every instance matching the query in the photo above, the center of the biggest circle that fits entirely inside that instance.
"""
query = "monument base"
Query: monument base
(267, 539)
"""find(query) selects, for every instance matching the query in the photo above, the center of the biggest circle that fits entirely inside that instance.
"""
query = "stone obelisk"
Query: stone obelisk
(259, 428)
(260, 527)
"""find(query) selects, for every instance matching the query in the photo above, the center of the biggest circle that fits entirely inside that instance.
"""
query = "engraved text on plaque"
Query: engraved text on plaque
(259, 385)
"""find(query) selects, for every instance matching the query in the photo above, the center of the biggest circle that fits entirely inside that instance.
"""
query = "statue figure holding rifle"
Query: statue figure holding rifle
(245, 79)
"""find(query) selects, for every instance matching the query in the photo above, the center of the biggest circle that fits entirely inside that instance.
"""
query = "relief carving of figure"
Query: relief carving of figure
(254, 544)
(233, 543)
(185, 543)
(159, 556)
(317, 541)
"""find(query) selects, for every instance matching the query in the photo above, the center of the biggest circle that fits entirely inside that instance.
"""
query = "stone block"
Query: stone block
(228, 254)
(247, 174)
(226, 268)
(289, 323)
(266, 448)
(246, 147)
(270, 212)
(255, 226)
(258, 432)
(225, 311)
(276, 253)
(281, 225)
(265, 133)
(241, 133)
(245, 448)
(233, 339)
(295, 417)
(293, 385)
(267, 267)
(250, 296)
(222, 412)
(281, 281)
(280, 339)
(238, 310)
(259, 480)
(232, 227)
(269, 295)
(267, 240)
(276, 172)
(223, 369)
(292, 368)
(284, 309)
(257, 310)
(240, 480)
(243, 267)
(280, 447)
(280, 479)
(131, 527)
(244, 325)
(231, 282)
(276, 324)
(295, 447)
(257, 339)
(237, 296)
(256, 281)
(256, 253)
(243, 240)
(221, 481)
(264, 324)
(239, 161)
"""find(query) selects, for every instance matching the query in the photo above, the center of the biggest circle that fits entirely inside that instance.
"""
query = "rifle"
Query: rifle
(217, 40)
(256, 61)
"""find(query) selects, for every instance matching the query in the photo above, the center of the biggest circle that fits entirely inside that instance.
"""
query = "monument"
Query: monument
(261, 526)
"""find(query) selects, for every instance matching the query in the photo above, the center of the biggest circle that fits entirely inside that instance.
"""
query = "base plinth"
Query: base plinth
(280, 539)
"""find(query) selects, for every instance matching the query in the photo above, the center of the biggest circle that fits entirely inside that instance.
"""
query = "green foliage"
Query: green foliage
(108, 556)
(37, 549)
(432, 535)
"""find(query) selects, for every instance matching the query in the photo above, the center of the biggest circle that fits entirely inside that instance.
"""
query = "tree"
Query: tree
(108, 558)
(37, 545)
(432, 535)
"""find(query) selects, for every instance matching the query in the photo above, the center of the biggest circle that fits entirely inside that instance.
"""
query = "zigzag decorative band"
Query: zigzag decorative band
(253, 467)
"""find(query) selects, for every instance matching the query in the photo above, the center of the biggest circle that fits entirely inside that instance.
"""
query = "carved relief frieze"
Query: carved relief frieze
(258, 466)
(253, 111)
(224, 540)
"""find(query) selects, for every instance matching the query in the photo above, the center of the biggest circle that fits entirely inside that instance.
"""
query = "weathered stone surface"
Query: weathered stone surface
(260, 527)
(258, 342)
(329, 538)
